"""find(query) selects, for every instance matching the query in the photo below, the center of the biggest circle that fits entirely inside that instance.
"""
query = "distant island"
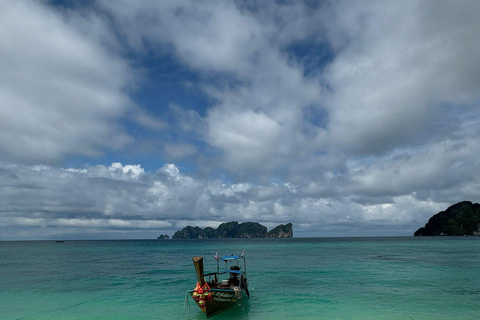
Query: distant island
(163, 237)
(461, 219)
(235, 230)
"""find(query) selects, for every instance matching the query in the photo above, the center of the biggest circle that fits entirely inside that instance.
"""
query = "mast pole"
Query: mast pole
(198, 263)
(244, 262)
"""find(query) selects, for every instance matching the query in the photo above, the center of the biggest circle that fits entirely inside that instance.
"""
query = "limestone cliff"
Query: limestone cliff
(281, 231)
(235, 230)
(461, 219)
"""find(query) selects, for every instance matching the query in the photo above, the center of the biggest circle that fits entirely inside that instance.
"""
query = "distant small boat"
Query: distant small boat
(60, 241)
(214, 294)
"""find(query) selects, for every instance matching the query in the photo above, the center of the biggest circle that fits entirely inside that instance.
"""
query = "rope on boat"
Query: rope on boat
(238, 300)
(239, 303)
(186, 303)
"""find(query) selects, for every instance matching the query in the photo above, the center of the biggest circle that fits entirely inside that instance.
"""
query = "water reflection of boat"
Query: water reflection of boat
(221, 290)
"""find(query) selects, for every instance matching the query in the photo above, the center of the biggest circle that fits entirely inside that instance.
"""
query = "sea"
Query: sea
(299, 278)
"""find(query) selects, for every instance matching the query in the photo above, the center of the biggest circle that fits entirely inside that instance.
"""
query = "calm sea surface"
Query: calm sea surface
(300, 278)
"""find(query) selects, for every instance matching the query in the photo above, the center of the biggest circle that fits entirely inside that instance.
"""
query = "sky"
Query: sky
(130, 119)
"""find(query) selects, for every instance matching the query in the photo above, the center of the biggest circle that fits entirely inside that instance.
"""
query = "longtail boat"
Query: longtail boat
(221, 290)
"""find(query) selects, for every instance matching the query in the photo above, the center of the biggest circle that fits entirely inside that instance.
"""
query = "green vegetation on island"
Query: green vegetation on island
(461, 219)
(281, 231)
(235, 230)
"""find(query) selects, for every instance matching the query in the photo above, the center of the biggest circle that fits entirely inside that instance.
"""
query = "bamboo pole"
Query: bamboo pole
(198, 263)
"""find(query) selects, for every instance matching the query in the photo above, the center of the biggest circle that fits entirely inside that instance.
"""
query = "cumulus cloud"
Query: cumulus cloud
(130, 171)
(61, 92)
(379, 86)
(260, 92)
(122, 198)
(400, 72)
(248, 137)
(342, 117)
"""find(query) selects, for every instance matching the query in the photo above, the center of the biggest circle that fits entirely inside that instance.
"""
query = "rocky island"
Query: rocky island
(163, 237)
(235, 230)
(281, 231)
(461, 219)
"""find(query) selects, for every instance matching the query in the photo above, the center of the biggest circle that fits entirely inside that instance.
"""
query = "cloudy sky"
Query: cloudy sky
(128, 119)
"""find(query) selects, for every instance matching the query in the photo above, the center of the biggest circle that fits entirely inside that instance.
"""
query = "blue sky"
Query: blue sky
(129, 119)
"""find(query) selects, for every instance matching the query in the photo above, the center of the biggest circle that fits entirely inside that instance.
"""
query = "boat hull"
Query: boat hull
(222, 299)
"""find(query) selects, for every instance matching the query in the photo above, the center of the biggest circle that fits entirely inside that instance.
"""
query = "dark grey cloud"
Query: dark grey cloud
(122, 198)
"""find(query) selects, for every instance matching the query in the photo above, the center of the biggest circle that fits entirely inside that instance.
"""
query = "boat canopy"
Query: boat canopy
(225, 258)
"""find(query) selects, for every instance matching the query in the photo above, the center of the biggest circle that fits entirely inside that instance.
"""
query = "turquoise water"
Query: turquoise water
(300, 278)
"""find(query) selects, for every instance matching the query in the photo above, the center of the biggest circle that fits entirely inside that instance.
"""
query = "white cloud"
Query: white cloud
(260, 92)
(398, 67)
(386, 87)
(61, 91)
(377, 130)
(168, 200)
(247, 137)
(131, 171)
(171, 170)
